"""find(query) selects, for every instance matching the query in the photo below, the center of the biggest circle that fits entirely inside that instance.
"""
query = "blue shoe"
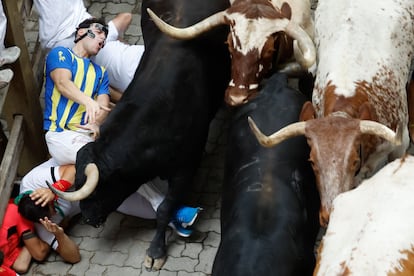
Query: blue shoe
(183, 232)
(186, 216)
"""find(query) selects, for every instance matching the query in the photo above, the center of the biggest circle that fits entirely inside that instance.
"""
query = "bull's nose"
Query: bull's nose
(323, 217)
(235, 97)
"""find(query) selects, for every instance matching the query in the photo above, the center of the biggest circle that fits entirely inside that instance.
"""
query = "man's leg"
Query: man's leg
(64, 145)
(136, 205)
(22, 263)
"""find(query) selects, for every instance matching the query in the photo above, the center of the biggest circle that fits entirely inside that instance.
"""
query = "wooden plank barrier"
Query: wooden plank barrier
(10, 162)
(23, 95)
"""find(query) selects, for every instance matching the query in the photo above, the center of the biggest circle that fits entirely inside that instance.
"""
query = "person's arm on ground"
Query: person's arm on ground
(37, 248)
(67, 248)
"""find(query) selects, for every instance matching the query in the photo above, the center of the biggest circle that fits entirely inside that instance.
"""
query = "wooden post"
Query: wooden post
(10, 162)
(23, 95)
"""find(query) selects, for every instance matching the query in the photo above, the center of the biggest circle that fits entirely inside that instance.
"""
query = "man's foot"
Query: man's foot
(186, 216)
(181, 231)
(6, 76)
(9, 55)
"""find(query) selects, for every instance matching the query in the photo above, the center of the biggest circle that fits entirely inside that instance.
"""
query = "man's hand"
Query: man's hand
(51, 226)
(93, 109)
(42, 196)
(93, 129)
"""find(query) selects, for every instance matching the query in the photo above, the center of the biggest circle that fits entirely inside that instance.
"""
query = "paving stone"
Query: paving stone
(209, 225)
(113, 8)
(81, 230)
(213, 239)
(83, 265)
(181, 263)
(192, 250)
(96, 244)
(96, 9)
(109, 258)
(136, 254)
(113, 270)
(206, 259)
(95, 270)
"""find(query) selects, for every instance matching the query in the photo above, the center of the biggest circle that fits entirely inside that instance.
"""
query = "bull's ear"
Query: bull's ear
(308, 112)
(286, 10)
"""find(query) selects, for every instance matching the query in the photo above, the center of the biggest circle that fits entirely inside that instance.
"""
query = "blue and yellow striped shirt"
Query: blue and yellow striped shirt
(61, 113)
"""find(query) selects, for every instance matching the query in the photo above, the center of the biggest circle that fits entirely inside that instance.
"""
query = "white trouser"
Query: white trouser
(64, 145)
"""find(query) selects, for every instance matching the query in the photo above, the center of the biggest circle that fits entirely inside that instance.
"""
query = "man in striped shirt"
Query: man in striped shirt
(76, 93)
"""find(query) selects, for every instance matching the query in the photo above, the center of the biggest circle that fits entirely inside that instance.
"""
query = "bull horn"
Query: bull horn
(92, 177)
(191, 31)
(289, 131)
(304, 48)
(375, 128)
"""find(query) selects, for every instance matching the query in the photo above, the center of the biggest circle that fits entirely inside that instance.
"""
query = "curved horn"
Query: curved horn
(289, 131)
(92, 177)
(375, 128)
(191, 31)
(305, 51)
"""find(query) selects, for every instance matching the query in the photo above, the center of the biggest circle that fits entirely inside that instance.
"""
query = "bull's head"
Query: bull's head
(335, 143)
(254, 27)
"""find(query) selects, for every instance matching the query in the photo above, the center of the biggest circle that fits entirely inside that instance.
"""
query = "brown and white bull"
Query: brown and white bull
(365, 48)
(370, 232)
(257, 27)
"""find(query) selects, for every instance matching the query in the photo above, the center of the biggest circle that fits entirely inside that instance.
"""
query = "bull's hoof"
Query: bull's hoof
(154, 264)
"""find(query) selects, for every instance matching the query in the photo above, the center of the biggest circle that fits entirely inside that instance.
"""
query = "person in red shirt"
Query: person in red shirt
(18, 242)
(4, 270)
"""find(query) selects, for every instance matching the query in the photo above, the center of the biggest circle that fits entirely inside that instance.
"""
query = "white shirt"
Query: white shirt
(121, 60)
(58, 20)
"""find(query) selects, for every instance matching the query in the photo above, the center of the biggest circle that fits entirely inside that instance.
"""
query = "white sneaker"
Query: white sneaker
(6, 76)
(9, 55)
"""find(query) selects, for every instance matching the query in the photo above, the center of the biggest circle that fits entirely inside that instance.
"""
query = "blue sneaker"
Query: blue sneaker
(186, 216)
(183, 232)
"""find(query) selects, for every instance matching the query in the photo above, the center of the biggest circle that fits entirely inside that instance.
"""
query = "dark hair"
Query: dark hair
(88, 22)
(29, 210)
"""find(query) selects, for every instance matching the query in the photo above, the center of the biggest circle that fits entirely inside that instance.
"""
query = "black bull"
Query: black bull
(269, 211)
(160, 126)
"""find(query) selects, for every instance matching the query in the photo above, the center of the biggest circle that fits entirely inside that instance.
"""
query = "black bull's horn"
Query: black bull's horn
(92, 177)
(296, 129)
(306, 57)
